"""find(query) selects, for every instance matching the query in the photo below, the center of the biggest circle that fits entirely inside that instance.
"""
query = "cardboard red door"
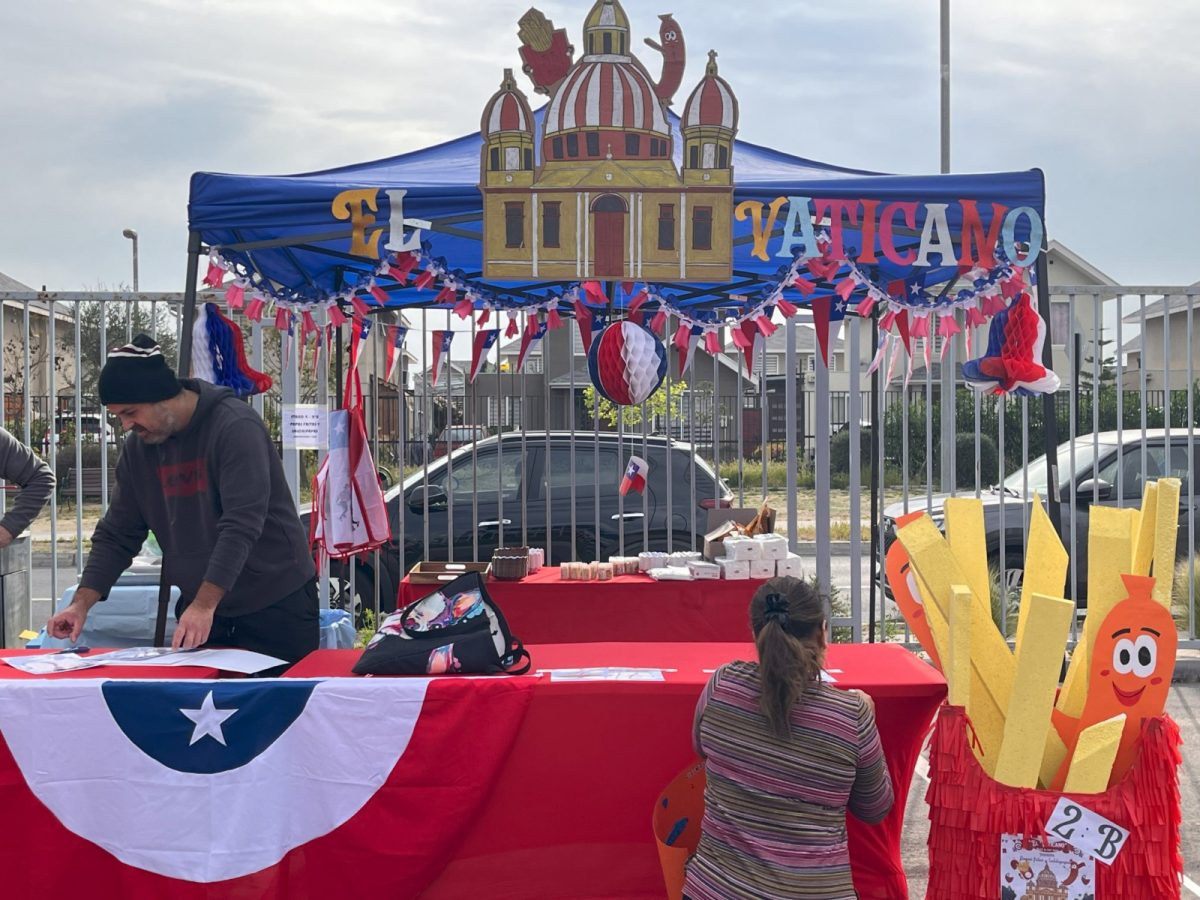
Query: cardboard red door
(609, 221)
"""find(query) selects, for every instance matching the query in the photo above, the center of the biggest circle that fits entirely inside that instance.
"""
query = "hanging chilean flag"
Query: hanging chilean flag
(396, 334)
(634, 478)
(534, 332)
(686, 341)
(583, 317)
(441, 345)
(200, 789)
(484, 341)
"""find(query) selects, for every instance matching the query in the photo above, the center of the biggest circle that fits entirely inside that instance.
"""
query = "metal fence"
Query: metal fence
(526, 457)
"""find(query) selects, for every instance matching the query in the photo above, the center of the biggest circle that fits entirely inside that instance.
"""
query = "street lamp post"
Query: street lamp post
(133, 236)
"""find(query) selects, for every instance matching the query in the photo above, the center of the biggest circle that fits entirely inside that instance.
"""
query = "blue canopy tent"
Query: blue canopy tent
(281, 229)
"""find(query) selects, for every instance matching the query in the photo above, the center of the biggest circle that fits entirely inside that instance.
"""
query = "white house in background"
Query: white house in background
(14, 343)
(1081, 315)
(1147, 350)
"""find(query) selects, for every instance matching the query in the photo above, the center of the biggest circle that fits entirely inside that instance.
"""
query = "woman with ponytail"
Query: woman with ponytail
(786, 755)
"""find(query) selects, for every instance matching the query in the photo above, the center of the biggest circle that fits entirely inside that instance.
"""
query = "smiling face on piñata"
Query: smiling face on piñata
(1134, 657)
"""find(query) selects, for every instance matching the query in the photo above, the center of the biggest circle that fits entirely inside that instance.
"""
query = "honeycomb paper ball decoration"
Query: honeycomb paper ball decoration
(627, 363)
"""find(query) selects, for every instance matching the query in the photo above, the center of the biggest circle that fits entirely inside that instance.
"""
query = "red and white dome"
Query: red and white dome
(508, 110)
(712, 103)
(606, 93)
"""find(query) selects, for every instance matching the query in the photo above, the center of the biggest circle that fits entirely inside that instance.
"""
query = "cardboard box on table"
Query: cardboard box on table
(714, 535)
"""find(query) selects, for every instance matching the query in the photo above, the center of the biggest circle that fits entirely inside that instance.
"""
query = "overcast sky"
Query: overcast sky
(107, 108)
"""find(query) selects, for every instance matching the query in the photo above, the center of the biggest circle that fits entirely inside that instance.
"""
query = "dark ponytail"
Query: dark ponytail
(788, 619)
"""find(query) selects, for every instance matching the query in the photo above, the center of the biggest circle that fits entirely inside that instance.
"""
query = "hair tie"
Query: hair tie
(776, 609)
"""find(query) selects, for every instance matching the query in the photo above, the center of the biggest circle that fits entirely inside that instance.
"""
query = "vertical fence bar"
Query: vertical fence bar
(763, 422)
(426, 420)
(1120, 357)
(1073, 433)
(1143, 369)
(54, 443)
(821, 483)
(26, 377)
(739, 406)
(525, 322)
(716, 419)
(1191, 464)
(621, 497)
(571, 404)
(546, 465)
(692, 469)
(1026, 499)
(646, 494)
(789, 403)
(670, 517)
(474, 434)
(1002, 549)
(449, 432)
(929, 429)
(855, 483)
(905, 399)
(879, 473)
(78, 392)
(1097, 349)
(596, 469)
(103, 310)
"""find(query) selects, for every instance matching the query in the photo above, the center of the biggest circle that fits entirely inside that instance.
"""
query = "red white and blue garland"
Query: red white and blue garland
(913, 311)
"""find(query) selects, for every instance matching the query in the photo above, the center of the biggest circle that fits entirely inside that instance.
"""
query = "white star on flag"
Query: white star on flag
(208, 720)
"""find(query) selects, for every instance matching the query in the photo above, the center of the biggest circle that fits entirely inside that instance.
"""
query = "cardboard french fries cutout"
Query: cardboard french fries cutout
(676, 822)
(903, 582)
(1132, 662)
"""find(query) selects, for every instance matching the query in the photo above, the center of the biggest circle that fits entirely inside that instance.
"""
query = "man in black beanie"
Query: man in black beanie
(199, 469)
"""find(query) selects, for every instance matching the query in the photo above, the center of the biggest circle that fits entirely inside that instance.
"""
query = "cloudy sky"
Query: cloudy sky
(107, 108)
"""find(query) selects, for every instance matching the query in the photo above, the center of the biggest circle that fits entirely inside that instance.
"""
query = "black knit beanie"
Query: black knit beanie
(137, 373)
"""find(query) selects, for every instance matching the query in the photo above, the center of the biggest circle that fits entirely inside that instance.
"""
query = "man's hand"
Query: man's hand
(69, 623)
(193, 628)
(196, 622)
(6, 537)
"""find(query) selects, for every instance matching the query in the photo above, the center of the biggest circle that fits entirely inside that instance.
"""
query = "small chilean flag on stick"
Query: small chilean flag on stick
(441, 345)
(484, 341)
(635, 476)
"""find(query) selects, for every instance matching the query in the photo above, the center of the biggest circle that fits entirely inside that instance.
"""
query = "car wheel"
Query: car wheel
(360, 599)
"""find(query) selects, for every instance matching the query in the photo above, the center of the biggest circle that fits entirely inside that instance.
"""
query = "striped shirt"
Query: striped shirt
(775, 809)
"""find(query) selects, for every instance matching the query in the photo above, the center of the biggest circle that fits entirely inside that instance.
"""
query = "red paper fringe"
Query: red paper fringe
(968, 811)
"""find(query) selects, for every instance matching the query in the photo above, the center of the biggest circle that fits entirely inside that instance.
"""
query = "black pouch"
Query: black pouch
(456, 630)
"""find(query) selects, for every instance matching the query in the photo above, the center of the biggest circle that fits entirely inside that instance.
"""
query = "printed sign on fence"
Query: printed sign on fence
(305, 426)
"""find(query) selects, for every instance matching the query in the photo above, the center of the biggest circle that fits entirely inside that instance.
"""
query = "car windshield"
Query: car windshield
(1038, 477)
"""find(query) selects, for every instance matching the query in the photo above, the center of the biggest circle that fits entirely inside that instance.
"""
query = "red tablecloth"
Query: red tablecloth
(569, 816)
(146, 672)
(544, 609)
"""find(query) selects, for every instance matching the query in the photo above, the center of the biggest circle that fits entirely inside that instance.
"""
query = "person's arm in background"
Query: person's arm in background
(244, 450)
(19, 465)
(872, 795)
(117, 538)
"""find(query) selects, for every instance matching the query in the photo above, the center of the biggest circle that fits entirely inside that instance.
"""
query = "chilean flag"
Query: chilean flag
(634, 478)
(396, 335)
(534, 332)
(266, 788)
(484, 341)
(441, 345)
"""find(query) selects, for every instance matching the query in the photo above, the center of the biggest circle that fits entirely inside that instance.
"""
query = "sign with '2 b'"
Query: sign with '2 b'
(1087, 831)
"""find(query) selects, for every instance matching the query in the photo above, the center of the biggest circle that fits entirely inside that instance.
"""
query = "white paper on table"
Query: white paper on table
(49, 664)
(827, 678)
(606, 673)
(244, 662)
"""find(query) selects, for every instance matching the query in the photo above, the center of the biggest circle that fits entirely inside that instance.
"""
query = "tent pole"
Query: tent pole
(189, 304)
(1049, 414)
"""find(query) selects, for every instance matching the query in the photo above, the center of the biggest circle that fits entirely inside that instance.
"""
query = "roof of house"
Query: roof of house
(1057, 248)
(8, 283)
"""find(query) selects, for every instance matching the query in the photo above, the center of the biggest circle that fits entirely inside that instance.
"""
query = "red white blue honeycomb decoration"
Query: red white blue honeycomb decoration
(627, 363)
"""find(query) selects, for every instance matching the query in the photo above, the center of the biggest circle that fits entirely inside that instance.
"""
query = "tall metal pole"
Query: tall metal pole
(133, 236)
(947, 381)
(189, 304)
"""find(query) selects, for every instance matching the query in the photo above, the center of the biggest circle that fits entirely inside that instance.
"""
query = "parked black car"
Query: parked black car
(473, 500)
(1099, 468)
